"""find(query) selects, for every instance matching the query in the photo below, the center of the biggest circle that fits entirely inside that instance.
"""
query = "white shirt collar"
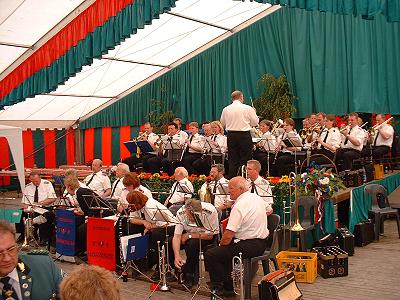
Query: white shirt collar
(14, 275)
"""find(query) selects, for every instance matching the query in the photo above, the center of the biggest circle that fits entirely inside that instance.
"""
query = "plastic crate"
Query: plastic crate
(332, 262)
(303, 264)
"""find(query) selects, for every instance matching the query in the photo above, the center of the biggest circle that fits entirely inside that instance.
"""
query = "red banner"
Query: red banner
(70, 144)
(4, 160)
(29, 158)
(124, 135)
(101, 243)
(89, 144)
(50, 148)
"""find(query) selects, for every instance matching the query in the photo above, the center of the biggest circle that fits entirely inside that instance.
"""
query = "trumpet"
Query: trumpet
(162, 265)
(307, 132)
(377, 126)
(140, 136)
(277, 125)
(237, 275)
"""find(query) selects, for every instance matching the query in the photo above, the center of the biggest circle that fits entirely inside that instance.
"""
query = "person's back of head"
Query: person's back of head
(90, 282)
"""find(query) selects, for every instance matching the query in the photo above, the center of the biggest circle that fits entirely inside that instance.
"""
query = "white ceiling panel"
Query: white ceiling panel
(8, 55)
(106, 78)
(25, 22)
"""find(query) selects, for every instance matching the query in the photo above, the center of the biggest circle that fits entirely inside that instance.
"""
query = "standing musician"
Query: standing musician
(381, 138)
(259, 185)
(146, 135)
(351, 144)
(328, 140)
(178, 122)
(265, 148)
(181, 190)
(286, 158)
(97, 181)
(187, 235)
(153, 164)
(25, 276)
(155, 217)
(39, 192)
(245, 233)
(193, 147)
(238, 119)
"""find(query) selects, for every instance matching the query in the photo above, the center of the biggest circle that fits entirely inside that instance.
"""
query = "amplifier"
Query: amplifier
(346, 240)
(332, 262)
(364, 233)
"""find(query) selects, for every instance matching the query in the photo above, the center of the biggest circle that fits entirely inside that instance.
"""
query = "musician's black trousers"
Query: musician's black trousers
(188, 159)
(158, 234)
(284, 163)
(240, 150)
(377, 152)
(347, 155)
(262, 157)
(319, 159)
(218, 260)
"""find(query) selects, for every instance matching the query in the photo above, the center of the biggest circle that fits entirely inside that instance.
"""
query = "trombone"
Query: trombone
(377, 126)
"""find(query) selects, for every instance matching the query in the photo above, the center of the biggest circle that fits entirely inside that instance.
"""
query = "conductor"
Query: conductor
(238, 118)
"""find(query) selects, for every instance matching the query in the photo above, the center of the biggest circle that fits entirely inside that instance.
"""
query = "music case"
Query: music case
(279, 285)
(346, 240)
(364, 233)
(332, 262)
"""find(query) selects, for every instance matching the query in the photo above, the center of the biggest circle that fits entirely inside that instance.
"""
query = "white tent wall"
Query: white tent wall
(14, 138)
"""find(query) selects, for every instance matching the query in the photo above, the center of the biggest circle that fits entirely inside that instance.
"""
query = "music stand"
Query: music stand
(267, 147)
(172, 149)
(96, 203)
(134, 248)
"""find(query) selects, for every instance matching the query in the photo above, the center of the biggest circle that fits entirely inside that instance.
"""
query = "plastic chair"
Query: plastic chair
(269, 254)
(309, 204)
(380, 208)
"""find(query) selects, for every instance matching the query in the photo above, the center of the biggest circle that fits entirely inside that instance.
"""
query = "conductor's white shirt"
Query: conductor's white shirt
(238, 117)
(248, 218)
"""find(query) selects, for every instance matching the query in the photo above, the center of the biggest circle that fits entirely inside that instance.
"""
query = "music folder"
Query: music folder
(292, 141)
(144, 146)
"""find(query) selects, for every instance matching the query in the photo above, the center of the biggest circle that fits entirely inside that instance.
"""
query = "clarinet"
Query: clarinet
(277, 151)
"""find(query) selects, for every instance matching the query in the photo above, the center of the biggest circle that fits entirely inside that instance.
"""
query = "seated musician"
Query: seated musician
(97, 181)
(172, 138)
(381, 138)
(215, 148)
(37, 195)
(117, 186)
(246, 233)
(146, 135)
(82, 197)
(259, 185)
(286, 158)
(193, 148)
(131, 183)
(67, 198)
(327, 142)
(265, 149)
(178, 123)
(351, 144)
(187, 235)
(157, 220)
(181, 190)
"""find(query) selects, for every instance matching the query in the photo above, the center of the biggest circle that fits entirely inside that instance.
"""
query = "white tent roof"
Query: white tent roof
(191, 27)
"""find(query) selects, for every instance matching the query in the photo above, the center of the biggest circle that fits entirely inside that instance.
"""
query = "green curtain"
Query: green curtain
(360, 202)
(133, 17)
(115, 150)
(97, 143)
(368, 9)
(38, 143)
(61, 148)
(335, 63)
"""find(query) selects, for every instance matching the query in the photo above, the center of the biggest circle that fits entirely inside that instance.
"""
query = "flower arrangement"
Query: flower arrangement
(321, 180)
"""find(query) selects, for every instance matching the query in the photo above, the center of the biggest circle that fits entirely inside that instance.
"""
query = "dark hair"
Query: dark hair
(173, 124)
(220, 167)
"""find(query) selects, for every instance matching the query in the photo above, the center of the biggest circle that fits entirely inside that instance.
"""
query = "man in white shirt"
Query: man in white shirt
(238, 119)
(38, 194)
(97, 181)
(117, 186)
(180, 191)
(382, 138)
(259, 185)
(352, 143)
(188, 234)
(246, 233)
(193, 148)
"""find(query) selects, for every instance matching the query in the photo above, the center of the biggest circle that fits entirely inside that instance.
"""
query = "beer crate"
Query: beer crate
(332, 262)
(303, 264)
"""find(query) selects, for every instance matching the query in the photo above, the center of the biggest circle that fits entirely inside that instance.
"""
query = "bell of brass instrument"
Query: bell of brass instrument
(237, 275)
(296, 226)
(29, 233)
(277, 125)
(243, 171)
(141, 136)
(205, 193)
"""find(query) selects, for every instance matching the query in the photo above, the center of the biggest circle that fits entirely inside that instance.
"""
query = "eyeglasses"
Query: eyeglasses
(10, 251)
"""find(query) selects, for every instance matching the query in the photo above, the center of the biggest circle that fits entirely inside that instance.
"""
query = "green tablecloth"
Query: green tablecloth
(360, 203)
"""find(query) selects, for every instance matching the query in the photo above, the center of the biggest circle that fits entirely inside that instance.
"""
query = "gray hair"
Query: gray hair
(255, 163)
(6, 227)
(220, 168)
(182, 171)
(240, 183)
(71, 172)
(124, 167)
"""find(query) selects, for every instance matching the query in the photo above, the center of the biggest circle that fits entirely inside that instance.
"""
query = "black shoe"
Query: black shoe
(188, 280)
(155, 276)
